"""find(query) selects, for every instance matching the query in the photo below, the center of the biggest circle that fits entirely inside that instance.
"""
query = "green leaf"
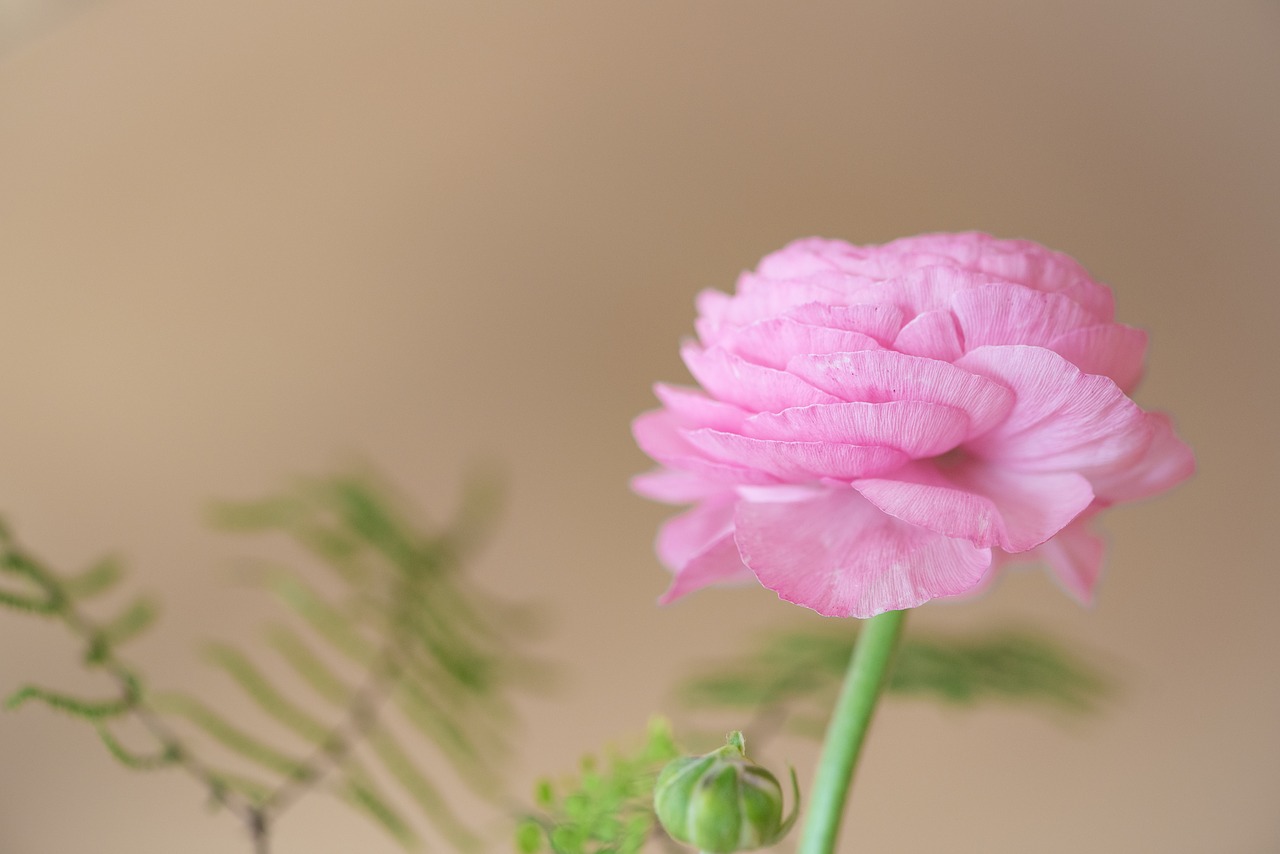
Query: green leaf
(145, 762)
(368, 801)
(607, 808)
(92, 709)
(1006, 666)
(132, 622)
(257, 686)
(228, 735)
(327, 621)
(452, 737)
(269, 514)
(422, 790)
(226, 781)
(371, 518)
(26, 566)
(27, 603)
(96, 580)
(309, 666)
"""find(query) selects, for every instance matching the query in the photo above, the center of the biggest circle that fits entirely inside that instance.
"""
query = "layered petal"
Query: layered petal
(698, 547)
(1167, 462)
(692, 532)
(1062, 419)
(1075, 558)
(692, 408)
(878, 322)
(797, 461)
(876, 376)
(732, 379)
(773, 342)
(660, 436)
(842, 557)
(916, 427)
(933, 335)
(976, 501)
(1012, 314)
(718, 563)
(1108, 349)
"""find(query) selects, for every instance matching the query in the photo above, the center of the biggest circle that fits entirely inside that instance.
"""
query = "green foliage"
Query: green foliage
(605, 809)
(145, 762)
(395, 627)
(407, 617)
(92, 709)
(799, 673)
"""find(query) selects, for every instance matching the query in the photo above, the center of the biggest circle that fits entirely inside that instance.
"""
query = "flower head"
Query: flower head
(878, 426)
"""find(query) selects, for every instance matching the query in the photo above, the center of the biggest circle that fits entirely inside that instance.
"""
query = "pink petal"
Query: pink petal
(797, 461)
(759, 298)
(687, 535)
(675, 487)
(923, 289)
(980, 503)
(917, 428)
(692, 408)
(1012, 314)
(659, 436)
(1108, 349)
(876, 376)
(826, 286)
(879, 322)
(719, 563)
(735, 380)
(772, 342)
(933, 335)
(1167, 462)
(840, 556)
(1062, 420)
(1075, 557)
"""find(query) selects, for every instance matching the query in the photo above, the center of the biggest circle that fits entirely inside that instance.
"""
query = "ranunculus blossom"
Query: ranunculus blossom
(878, 426)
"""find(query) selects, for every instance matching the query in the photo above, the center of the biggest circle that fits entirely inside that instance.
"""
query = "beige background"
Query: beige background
(241, 241)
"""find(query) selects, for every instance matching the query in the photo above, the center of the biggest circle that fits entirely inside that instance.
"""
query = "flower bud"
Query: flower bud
(722, 802)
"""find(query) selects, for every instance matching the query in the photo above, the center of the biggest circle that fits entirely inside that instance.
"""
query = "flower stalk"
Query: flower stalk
(848, 729)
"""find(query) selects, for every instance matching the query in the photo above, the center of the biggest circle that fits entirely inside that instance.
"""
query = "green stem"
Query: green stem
(848, 729)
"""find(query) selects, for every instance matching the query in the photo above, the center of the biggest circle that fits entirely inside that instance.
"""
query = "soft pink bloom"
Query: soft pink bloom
(878, 426)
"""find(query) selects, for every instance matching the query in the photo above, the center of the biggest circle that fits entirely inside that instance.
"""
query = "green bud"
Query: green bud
(722, 802)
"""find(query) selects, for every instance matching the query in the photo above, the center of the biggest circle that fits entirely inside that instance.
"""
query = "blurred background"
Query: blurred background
(244, 241)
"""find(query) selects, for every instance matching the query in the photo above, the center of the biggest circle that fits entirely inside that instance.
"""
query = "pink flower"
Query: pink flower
(879, 426)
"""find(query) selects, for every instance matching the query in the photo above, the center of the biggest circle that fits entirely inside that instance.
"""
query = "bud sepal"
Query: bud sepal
(722, 802)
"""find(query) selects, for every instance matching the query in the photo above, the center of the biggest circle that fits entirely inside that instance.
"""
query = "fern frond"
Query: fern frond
(22, 564)
(92, 709)
(130, 623)
(452, 737)
(221, 782)
(96, 580)
(229, 735)
(308, 665)
(806, 667)
(27, 603)
(368, 801)
(167, 756)
(417, 786)
(252, 681)
(323, 618)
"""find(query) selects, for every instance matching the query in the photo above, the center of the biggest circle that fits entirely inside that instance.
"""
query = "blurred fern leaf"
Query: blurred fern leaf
(796, 674)
(396, 627)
